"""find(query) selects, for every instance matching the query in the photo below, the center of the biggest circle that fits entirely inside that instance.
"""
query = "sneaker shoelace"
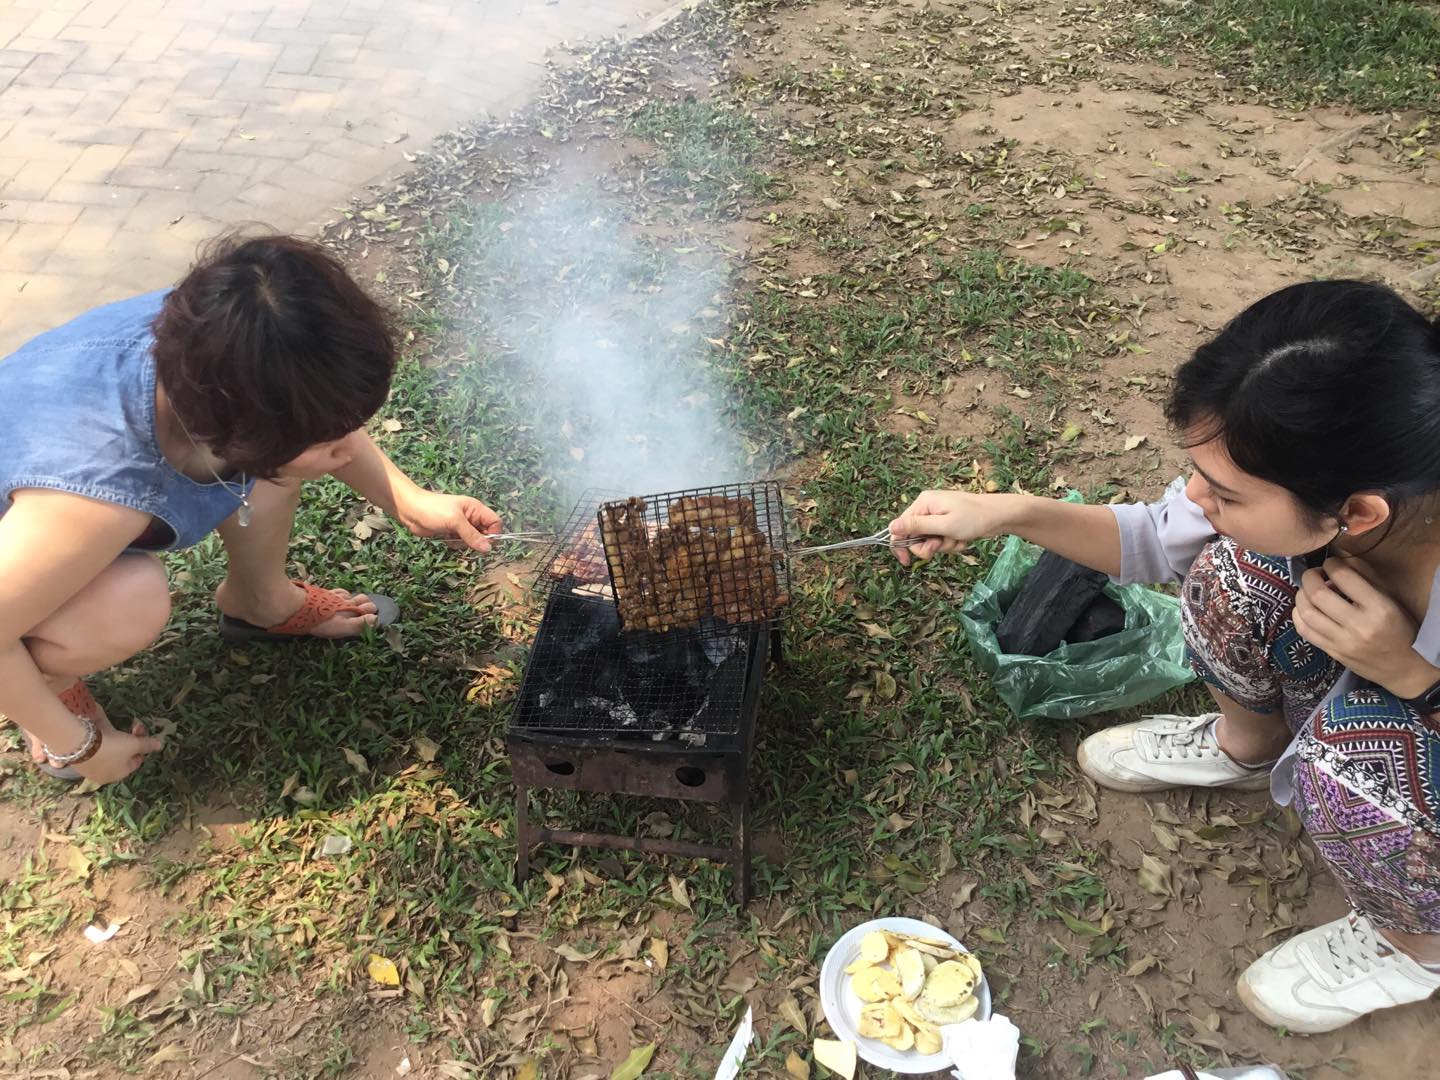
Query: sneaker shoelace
(1351, 948)
(1196, 739)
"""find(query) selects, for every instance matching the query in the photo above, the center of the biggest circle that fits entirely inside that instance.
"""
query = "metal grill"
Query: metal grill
(701, 559)
(574, 564)
(587, 681)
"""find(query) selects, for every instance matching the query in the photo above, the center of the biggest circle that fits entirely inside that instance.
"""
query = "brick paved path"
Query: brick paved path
(130, 130)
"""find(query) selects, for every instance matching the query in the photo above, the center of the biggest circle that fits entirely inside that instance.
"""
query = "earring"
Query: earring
(1344, 528)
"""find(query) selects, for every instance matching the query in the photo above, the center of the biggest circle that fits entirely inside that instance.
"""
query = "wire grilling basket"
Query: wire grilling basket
(704, 558)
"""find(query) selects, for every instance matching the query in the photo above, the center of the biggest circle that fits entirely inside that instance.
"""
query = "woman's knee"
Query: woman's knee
(117, 615)
(136, 595)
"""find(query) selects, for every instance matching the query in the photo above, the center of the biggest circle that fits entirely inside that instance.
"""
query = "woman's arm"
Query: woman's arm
(425, 513)
(1089, 535)
(52, 544)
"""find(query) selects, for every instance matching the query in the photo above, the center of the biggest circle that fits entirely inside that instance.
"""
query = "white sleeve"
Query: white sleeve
(1159, 541)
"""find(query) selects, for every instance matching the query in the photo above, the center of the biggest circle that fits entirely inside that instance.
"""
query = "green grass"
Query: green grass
(707, 150)
(1373, 54)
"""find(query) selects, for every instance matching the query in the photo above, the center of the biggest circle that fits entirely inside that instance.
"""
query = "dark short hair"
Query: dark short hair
(1328, 389)
(268, 347)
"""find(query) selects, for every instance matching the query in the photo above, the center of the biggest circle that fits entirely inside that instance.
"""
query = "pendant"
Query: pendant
(243, 514)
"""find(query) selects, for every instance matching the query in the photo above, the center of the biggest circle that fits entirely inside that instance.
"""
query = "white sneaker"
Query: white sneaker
(1326, 977)
(1162, 752)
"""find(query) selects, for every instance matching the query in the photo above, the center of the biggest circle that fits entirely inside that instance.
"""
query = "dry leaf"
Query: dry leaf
(1144, 964)
(1154, 876)
(1134, 442)
(885, 688)
(529, 1071)
(796, 1067)
(791, 1014)
(574, 955)
(383, 971)
(167, 1053)
(660, 953)
(425, 749)
(680, 893)
(962, 895)
(636, 1064)
(391, 425)
(357, 762)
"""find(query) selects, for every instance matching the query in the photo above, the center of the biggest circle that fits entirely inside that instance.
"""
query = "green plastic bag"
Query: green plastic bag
(1127, 668)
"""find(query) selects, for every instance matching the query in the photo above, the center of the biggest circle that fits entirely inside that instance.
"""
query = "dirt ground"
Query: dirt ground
(1183, 201)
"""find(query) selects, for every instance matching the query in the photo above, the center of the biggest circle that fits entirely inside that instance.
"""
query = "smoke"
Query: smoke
(607, 331)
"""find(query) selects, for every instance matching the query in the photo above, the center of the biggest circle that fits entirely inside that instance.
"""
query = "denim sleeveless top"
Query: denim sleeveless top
(77, 414)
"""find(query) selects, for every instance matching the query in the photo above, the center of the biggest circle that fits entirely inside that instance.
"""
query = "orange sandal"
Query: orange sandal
(318, 606)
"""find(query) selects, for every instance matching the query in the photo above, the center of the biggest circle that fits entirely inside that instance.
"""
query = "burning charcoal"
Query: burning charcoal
(642, 648)
(718, 649)
(546, 698)
(698, 717)
(693, 738)
(625, 714)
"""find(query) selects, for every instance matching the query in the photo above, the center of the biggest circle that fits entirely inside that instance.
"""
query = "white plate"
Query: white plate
(842, 1006)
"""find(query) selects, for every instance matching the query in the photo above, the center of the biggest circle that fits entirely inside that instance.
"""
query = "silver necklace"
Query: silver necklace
(246, 511)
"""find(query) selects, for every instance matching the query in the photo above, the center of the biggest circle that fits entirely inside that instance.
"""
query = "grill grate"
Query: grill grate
(586, 680)
(574, 564)
(696, 558)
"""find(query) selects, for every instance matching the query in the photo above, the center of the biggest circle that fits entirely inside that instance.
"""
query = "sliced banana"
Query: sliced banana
(872, 1021)
(875, 947)
(934, 948)
(875, 984)
(910, 966)
(904, 1040)
(923, 985)
(911, 1015)
(949, 984)
(971, 961)
(954, 1014)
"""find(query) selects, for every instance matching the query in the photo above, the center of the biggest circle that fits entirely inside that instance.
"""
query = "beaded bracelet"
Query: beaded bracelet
(87, 748)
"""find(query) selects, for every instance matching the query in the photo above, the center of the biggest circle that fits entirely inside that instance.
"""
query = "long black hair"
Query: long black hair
(1328, 389)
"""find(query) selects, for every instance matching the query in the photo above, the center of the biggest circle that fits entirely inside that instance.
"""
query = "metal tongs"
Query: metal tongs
(518, 537)
(879, 539)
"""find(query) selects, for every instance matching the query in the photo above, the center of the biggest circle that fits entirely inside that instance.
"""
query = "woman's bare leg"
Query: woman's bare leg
(1250, 738)
(257, 588)
(111, 619)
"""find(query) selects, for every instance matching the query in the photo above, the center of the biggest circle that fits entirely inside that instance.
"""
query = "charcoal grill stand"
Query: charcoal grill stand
(719, 775)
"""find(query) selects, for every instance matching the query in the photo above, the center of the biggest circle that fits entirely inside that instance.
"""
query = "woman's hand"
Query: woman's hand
(120, 753)
(430, 513)
(1340, 612)
(954, 518)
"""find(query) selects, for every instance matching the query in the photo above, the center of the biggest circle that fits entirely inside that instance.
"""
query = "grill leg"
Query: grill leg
(777, 647)
(523, 839)
(740, 878)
